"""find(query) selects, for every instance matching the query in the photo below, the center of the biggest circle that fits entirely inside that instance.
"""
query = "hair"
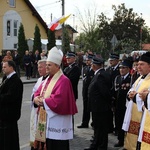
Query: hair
(42, 61)
(11, 63)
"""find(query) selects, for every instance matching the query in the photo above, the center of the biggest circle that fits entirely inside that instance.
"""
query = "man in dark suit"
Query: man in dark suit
(36, 58)
(87, 75)
(11, 92)
(73, 72)
(16, 59)
(122, 86)
(99, 104)
(113, 70)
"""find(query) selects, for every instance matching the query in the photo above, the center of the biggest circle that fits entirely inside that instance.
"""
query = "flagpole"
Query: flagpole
(63, 13)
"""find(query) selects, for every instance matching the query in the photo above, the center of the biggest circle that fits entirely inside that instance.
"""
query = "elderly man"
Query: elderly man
(122, 86)
(132, 123)
(11, 93)
(33, 120)
(113, 70)
(73, 72)
(56, 96)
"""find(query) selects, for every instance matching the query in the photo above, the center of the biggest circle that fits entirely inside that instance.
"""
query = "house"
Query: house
(14, 12)
(58, 36)
(71, 31)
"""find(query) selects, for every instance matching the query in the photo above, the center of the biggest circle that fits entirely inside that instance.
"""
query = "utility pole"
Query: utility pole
(141, 24)
(51, 17)
(63, 13)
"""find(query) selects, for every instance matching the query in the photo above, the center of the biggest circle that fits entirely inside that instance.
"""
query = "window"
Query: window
(15, 45)
(8, 27)
(15, 27)
(12, 3)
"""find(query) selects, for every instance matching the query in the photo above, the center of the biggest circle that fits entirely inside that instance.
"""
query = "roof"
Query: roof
(146, 46)
(72, 29)
(36, 14)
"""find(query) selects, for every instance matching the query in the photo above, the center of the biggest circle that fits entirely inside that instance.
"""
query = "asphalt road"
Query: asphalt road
(81, 136)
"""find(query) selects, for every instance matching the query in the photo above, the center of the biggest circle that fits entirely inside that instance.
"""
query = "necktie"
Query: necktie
(122, 78)
(4, 81)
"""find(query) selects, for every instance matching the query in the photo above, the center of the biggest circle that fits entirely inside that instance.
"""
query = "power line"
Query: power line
(25, 10)
(48, 4)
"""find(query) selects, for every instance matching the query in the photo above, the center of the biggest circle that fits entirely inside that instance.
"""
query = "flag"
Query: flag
(62, 20)
(57, 22)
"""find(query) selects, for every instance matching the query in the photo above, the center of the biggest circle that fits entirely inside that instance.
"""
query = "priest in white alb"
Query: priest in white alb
(57, 98)
(133, 116)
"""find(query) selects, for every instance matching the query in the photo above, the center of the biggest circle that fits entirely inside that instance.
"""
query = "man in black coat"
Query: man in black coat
(122, 86)
(87, 75)
(73, 72)
(99, 104)
(16, 59)
(11, 92)
(113, 71)
(36, 58)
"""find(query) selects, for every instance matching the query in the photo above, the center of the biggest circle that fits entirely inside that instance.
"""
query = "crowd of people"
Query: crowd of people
(28, 62)
(116, 98)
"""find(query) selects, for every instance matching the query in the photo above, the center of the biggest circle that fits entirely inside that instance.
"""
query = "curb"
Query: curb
(28, 82)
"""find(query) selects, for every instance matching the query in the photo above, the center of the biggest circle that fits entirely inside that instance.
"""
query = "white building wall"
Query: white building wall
(10, 40)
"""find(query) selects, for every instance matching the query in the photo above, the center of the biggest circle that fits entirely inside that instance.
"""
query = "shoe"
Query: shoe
(82, 126)
(92, 124)
(116, 133)
(118, 144)
(110, 131)
(92, 139)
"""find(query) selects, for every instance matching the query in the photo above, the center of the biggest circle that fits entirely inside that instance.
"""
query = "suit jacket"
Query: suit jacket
(113, 73)
(16, 59)
(121, 88)
(87, 77)
(73, 72)
(99, 92)
(36, 58)
(11, 93)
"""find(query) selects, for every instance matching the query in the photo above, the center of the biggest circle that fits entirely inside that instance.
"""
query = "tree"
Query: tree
(37, 45)
(126, 25)
(66, 41)
(22, 42)
(89, 38)
(51, 40)
(98, 30)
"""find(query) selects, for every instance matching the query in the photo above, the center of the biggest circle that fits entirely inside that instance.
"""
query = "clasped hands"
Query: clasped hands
(38, 100)
(143, 94)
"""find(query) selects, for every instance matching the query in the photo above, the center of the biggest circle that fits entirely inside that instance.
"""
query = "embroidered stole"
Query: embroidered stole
(41, 125)
(132, 134)
(145, 145)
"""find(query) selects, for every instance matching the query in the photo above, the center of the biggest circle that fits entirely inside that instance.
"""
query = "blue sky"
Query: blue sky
(48, 7)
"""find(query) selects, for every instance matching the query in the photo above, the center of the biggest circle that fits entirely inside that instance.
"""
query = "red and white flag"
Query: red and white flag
(57, 22)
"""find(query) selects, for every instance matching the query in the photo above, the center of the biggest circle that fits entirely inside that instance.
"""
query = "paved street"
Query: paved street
(81, 137)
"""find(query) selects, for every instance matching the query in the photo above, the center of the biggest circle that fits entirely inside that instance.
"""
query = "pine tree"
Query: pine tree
(66, 41)
(22, 42)
(37, 45)
(51, 40)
